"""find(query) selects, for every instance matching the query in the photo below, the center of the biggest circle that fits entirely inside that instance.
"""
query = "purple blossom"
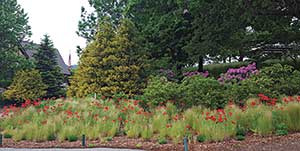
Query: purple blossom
(239, 74)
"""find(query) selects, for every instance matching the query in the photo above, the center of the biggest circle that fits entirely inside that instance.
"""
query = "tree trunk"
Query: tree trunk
(241, 58)
(200, 64)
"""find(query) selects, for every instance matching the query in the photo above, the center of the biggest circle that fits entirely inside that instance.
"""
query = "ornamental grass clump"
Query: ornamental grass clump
(293, 113)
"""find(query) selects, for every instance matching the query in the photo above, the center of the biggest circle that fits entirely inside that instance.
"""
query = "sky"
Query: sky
(59, 19)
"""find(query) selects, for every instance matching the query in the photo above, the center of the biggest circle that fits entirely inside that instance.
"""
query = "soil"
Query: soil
(290, 142)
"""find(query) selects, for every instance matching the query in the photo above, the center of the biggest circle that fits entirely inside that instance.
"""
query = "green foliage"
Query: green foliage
(162, 141)
(240, 137)
(72, 138)
(159, 90)
(109, 65)
(207, 92)
(10, 63)
(51, 137)
(193, 91)
(47, 64)
(27, 84)
(104, 9)
(109, 139)
(7, 135)
(201, 138)
(272, 81)
(281, 129)
(14, 25)
(240, 131)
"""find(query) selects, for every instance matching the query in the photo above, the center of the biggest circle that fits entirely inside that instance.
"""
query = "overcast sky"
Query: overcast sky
(59, 19)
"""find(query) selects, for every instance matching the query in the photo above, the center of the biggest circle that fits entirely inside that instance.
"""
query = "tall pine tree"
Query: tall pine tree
(109, 64)
(46, 63)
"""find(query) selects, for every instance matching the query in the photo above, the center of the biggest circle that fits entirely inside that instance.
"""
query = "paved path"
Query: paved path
(58, 149)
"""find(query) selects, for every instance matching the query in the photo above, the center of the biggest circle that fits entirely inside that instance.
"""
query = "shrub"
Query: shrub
(7, 135)
(272, 81)
(235, 75)
(109, 139)
(207, 92)
(72, 138)
(240, 131)
(159, 90)
(201, 138)
(240, 137)
(27, 84)
(162, 141)
(281, 129)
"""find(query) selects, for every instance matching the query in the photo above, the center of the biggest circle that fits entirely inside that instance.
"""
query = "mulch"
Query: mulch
(290, 142)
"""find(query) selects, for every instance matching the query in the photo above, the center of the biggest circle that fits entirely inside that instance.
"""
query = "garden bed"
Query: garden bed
(252, 142)
(122, 123)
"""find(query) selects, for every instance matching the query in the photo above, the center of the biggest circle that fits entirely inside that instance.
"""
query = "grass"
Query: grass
(68, 120)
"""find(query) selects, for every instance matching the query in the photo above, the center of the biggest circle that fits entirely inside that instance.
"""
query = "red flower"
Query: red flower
(36, 103)
(220, 119)
(106, 108)
(213, 118)
(233, 122)
(221, 111)
(230, 113)
(136, 102)
(176, 117)
(120, 119)
(298, 98)
(165, 113)
(285, 100)
(291, 99)
(253, 103)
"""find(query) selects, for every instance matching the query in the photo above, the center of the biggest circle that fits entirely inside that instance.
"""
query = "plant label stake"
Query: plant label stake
(1, 139)
(83, 140)
(185, 143)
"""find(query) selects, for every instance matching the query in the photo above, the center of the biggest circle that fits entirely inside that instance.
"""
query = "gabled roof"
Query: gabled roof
(28, 49)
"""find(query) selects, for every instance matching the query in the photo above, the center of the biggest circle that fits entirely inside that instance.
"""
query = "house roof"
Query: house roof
(28, 49)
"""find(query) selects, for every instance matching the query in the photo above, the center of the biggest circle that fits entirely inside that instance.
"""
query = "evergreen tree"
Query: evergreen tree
(109, 64)
(27, 84)
(13, 29)
(13, 25)
(46, 63)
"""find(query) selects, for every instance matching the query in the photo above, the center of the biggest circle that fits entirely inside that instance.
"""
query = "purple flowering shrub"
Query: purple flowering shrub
(238, 74)
(205, 74)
